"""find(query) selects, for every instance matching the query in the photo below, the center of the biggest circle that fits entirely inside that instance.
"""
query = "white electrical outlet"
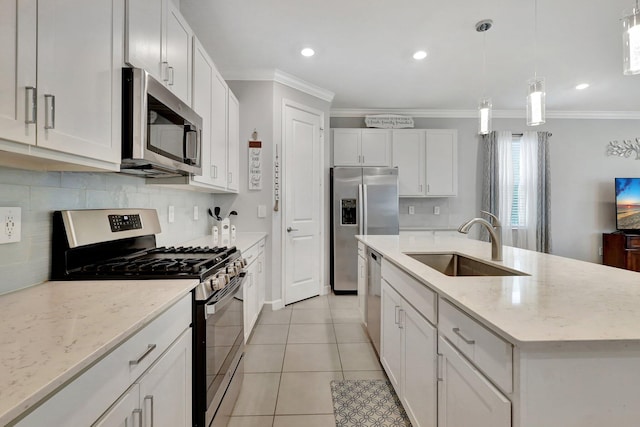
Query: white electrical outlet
(11, 223)
(172, 214)
(196, 213)
(262, 211)
(436, 210)
(412, 210)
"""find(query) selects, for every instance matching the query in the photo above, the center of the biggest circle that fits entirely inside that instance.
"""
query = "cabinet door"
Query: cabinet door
(125, 412)
(362, 287)
(346, 147)
(79, 77)
(219, 131)
(409, 157)
(250, 302)
(262, 276)
(143, 44)
(376, 147)
(178, 54)
(419, 369)
(165, 390)
(391, 335)
(465, 397)
(202, 104)
(442, 162)
(233, 155)
(18, 70)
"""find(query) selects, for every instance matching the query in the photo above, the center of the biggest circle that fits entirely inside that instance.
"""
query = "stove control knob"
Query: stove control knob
(239, 264)
(232, 270)
(223, 280)
(214, 284)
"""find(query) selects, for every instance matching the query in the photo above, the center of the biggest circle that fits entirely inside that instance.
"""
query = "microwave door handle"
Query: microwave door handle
(191, 143)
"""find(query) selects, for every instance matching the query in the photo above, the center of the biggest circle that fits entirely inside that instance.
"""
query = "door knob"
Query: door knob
(289, 229)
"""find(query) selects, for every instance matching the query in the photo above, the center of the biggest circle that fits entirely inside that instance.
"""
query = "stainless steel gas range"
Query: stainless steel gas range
(112, 244)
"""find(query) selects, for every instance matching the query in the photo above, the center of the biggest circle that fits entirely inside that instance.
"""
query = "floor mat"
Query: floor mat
(367, 403)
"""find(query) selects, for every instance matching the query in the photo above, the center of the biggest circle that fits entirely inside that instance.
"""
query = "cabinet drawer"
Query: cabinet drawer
(490, 353)
(419, 295)
(633, 242)
(252, 253)
(103, 383)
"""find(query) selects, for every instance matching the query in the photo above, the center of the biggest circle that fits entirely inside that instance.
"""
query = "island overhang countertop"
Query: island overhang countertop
(560, 300)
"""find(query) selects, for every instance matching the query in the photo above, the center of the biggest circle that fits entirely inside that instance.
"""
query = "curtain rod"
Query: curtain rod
(521, 134)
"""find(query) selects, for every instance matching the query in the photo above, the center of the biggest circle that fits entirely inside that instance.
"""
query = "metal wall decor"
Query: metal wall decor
(624, 148)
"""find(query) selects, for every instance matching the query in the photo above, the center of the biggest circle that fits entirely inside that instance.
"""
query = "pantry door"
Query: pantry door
(303, 258)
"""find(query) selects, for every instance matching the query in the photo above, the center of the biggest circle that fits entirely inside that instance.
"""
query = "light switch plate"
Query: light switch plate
(436, 210)
(412, 210)
(196, 213)
(262, 211)
(11, 224)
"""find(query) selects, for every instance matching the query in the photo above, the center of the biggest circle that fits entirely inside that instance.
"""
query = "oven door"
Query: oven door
(218, 356)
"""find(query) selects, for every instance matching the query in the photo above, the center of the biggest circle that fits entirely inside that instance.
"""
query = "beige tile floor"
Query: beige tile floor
(293, 355)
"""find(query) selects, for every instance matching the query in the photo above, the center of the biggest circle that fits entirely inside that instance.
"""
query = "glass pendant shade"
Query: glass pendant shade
(484, 110)
(536, 102)
(631, 42)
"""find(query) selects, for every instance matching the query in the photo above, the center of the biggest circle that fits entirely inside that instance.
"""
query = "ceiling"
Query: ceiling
(364, 50)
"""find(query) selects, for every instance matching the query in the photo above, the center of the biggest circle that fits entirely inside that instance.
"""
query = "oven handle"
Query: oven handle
(210, 309)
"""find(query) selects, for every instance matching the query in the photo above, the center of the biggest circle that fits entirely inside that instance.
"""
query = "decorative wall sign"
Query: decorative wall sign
(389, 121)
(625, 148)
(255, 165)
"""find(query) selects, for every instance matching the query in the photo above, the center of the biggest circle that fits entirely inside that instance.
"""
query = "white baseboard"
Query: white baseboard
(275, 305)
(326, 290)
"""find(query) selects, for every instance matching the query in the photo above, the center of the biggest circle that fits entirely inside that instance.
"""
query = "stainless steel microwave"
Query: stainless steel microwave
(161, 135)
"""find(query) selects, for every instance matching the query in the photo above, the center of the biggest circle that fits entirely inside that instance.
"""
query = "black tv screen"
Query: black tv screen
(628, 204)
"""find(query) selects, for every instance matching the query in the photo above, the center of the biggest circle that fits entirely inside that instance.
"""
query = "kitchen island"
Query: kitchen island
(556, 346)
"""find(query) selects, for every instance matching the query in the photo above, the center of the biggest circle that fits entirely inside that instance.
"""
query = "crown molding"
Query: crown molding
(281, 77)
(497, 114)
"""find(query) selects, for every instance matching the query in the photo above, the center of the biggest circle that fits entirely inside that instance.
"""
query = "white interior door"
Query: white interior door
(302, 253)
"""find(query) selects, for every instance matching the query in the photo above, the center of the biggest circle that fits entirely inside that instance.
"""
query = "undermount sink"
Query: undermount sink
(453, 264)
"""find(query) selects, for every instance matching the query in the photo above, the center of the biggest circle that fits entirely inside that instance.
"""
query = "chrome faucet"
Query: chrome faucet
(495, 230)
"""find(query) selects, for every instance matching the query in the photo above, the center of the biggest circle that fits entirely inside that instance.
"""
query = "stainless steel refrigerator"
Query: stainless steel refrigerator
(363, 201)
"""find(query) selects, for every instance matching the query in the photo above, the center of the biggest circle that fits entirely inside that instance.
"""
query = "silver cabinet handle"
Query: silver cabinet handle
(428, 189)
(149, 349)
(365, 206)
(30, 100)
(360, 210)
(170, 82)
(230, 177)
(49, 112)
(465, 339)
(138, 413)
(165, 71)
(214, 171)
(400, 324)
(289, 229)
(440, 370)
(363, 159)
(421, 188)
(150, 399)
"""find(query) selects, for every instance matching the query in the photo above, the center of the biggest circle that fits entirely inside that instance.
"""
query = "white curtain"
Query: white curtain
(524, 223)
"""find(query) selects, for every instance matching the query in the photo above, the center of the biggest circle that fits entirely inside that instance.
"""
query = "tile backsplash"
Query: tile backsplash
(40, 193)
(424, 217)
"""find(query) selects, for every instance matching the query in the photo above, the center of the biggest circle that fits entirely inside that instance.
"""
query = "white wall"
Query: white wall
(28, 262)
(261, 109)
(582, 192)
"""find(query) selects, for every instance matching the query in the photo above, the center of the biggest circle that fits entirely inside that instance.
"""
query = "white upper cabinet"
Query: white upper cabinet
(233, 155)
(158, 39)
(18, 70)
(219, 128)
(70, 109)
(361, 147)
(203, 74)
(427, 161)
(409, 157)
(442, 162)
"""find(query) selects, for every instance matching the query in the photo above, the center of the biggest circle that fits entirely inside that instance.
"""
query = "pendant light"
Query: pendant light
(484, 105)
(631, 42)
(535, 87)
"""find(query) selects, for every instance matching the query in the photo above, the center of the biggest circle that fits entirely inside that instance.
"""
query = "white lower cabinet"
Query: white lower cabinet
(408, 355)
(145, 381)
(362, 284)
(254, 286)
(465, 397)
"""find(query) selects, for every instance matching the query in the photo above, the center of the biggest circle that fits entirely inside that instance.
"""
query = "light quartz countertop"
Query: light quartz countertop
(52, 332)
(562, 300)
(243, 240)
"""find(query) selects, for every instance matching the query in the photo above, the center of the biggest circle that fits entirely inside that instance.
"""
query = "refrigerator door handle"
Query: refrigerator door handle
(360, 211)
(364, 211)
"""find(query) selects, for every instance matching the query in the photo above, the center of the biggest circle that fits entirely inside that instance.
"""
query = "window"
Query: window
(518, 216)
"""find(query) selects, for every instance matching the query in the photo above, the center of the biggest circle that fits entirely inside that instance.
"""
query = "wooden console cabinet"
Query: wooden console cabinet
(621, 250)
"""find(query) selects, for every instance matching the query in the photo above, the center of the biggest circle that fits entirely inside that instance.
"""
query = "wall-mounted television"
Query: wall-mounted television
(628, 204)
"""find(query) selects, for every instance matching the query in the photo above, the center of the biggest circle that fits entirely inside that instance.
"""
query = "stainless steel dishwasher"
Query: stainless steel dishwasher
(374, 287)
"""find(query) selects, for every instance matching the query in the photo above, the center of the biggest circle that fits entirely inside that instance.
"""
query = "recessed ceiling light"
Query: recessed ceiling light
(421, 54)
(307, 51)
(582, 86)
